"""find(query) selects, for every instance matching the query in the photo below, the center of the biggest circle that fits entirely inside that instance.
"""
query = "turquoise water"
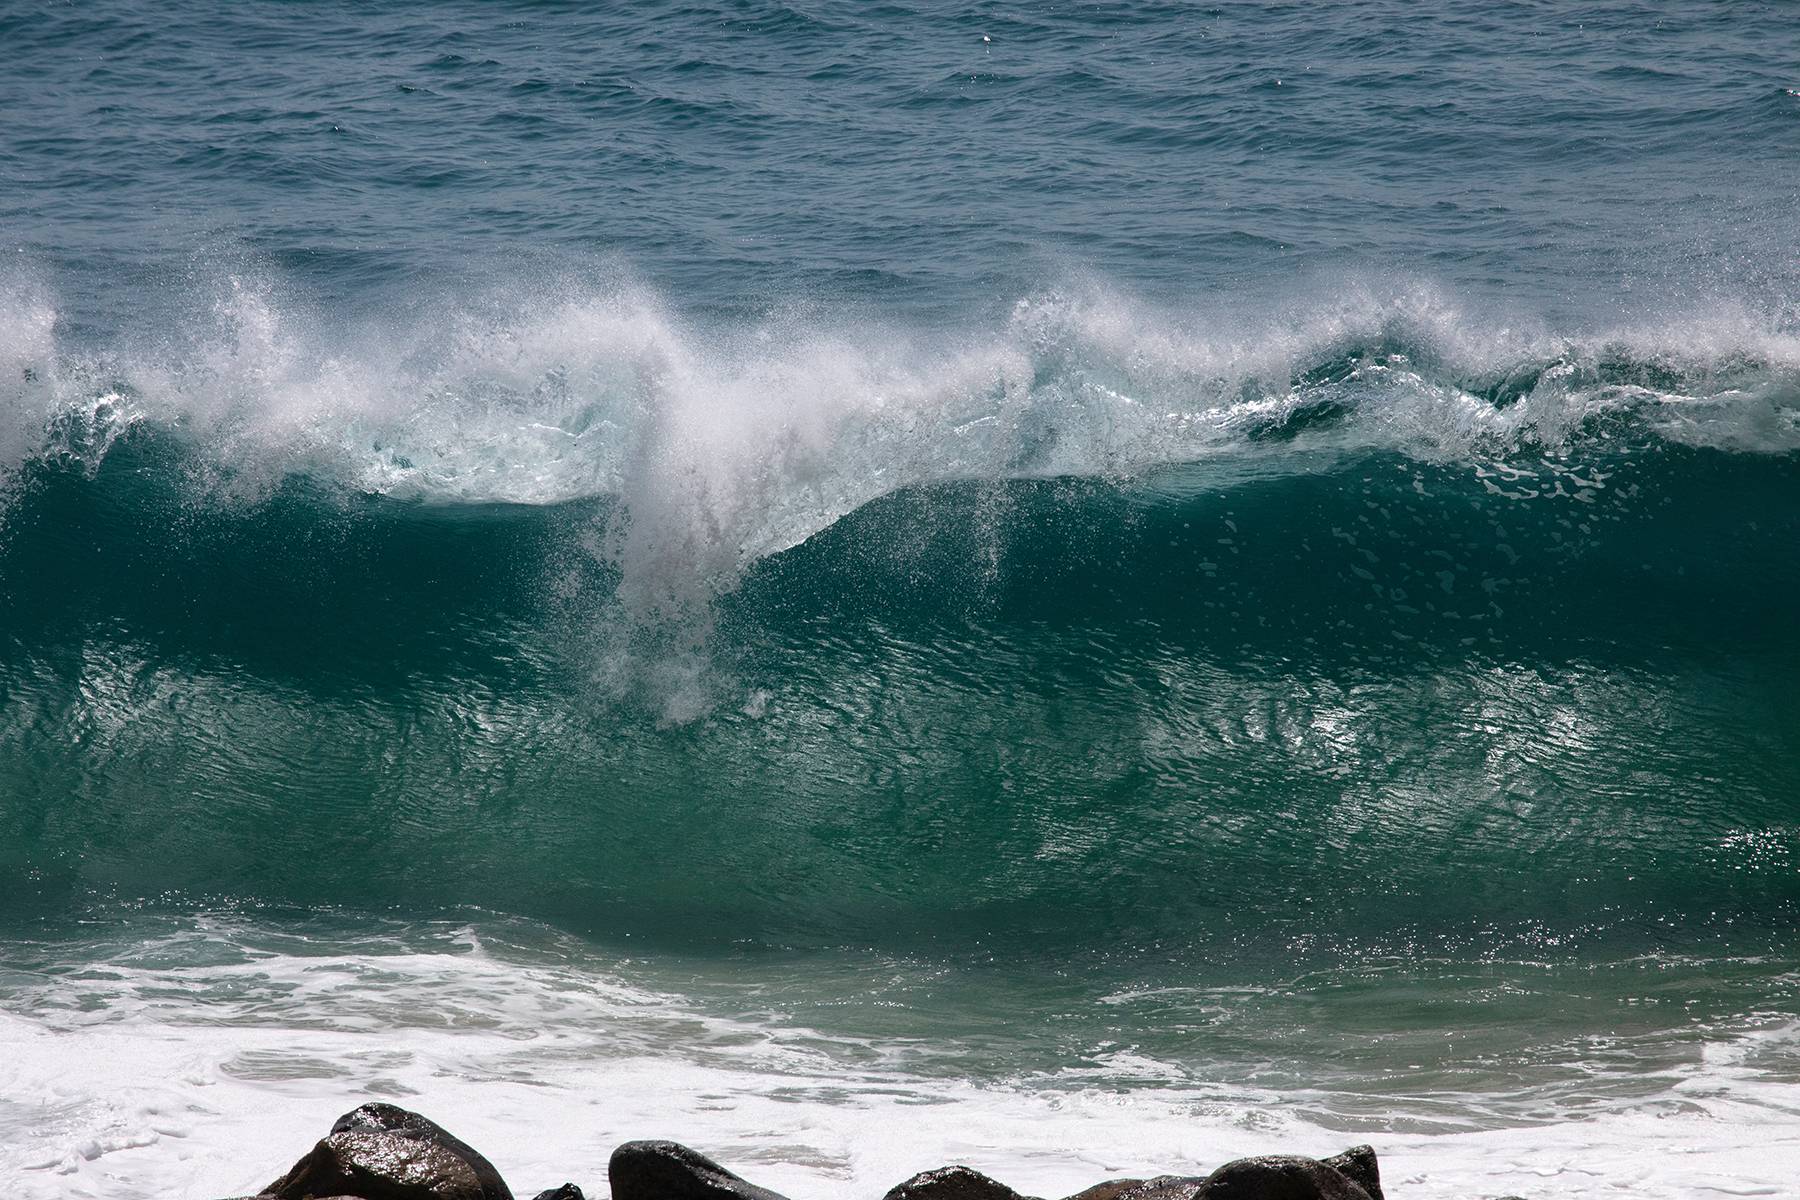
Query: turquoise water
(1076, 589)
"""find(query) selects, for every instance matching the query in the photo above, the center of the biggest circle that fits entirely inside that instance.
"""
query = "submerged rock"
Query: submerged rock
(567, 1191)
(385, 1152)
(952, 1183)
(671, 1171)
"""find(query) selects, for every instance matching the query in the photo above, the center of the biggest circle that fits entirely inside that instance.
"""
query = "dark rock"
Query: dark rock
(951, 1183)
(1165, 1187)
(1359, 1166)
(671, 1171)
(1352, 1175)
(384, 1152)
(1110, 1189)
(1280, 1177)
(567, 1191)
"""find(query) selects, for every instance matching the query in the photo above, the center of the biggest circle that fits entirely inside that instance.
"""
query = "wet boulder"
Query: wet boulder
(567, 1191)
(1358, 1165)
(1165, 1187)
(1352, 1175)
(1349, 1176)
(671, 1171)
(384, 1152)
(951, 1183)
(1110, 1189)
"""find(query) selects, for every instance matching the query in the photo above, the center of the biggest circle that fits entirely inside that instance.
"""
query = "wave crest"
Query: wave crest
(724, 443)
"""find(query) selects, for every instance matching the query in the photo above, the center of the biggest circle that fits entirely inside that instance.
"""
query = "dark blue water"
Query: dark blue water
(1578, 162)
(1154, 563)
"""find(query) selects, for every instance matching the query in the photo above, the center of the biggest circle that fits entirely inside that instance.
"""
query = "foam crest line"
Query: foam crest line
(725, 444)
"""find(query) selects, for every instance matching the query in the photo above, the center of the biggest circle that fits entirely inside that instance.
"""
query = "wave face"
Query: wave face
(1337, 630)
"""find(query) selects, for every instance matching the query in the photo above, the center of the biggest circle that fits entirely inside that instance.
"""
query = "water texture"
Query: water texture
(1081, 589)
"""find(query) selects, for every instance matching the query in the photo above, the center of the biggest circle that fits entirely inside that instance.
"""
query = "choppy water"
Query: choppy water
(1078, 589)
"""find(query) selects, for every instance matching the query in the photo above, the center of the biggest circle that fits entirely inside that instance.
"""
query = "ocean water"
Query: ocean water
(1078, 588)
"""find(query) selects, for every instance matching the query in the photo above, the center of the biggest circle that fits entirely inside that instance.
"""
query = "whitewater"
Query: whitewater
(152, 1073)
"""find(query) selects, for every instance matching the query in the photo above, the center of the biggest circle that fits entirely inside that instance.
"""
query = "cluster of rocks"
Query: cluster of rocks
(384, 1152)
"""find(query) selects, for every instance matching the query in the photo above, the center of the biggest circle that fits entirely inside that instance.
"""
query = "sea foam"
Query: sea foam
(200, 1063)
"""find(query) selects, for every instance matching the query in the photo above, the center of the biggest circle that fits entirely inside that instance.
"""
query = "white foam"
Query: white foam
(203, 1065)
(540, 397)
